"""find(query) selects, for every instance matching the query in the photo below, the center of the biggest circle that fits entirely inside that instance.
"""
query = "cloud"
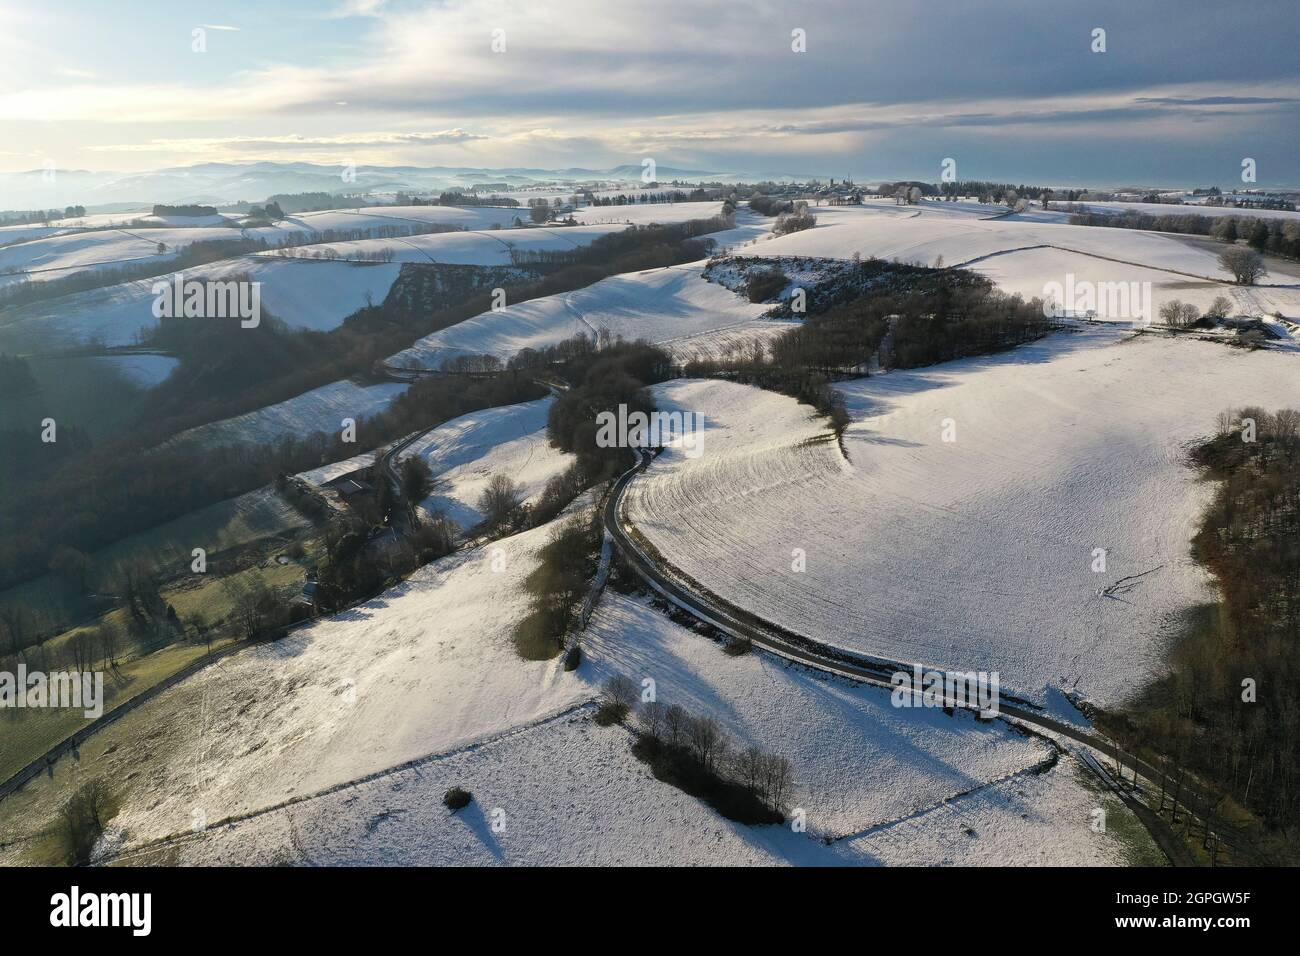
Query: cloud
(290, 143)
(357, 8)
(585, 79)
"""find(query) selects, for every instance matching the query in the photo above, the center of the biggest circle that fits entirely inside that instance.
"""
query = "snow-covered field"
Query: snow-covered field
(301, 293)
(1024, 253)
(484, 248)
(38, 254)
(858, 761)
(320, 410)
(58, 256)
(889, 786)
(466, 452)
(660, 305)
(730, 341)
(427, 667)
(975, 553)
(643, 214)
(371, 217)
(924, 233)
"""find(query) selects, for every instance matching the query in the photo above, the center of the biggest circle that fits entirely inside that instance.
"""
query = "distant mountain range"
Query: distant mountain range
(217, 183)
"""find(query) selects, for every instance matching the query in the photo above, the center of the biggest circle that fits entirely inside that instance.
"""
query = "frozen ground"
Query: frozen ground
(976, 553)
(466, 452)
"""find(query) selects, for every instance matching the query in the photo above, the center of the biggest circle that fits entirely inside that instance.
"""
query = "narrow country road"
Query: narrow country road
(737, 622)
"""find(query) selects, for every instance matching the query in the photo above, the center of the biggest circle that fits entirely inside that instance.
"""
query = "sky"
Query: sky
(1013, 90)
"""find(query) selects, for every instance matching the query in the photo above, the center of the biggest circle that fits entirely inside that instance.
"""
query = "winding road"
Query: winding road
(676, 587)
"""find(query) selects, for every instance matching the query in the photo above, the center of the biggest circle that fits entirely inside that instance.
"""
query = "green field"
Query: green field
(226, 526)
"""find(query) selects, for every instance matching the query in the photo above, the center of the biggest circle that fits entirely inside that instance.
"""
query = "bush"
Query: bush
(457, 799)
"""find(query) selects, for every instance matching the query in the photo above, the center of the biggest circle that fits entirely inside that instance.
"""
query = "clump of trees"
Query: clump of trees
(557, 586)
(1275, 237)
(417, 483)
(618, 699)
(769, 205)
(694, 754)
(795, 221)
(1179, 315)
(186, 210)
(259, 612)
(632, 249)
(602, 381)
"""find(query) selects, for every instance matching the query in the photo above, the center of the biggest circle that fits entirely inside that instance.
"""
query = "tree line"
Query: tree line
(1276, 237)
(1229, 710)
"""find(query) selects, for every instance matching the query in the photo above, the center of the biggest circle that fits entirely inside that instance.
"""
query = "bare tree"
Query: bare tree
(106, 636)
(706, 740)
(1179, 315)
(676, 725)
(1219, 308)
(500, 500)
(622, 691)
(778, 781)
(654, 719)
(81, 648)
(1246, 265)
(749, 768)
